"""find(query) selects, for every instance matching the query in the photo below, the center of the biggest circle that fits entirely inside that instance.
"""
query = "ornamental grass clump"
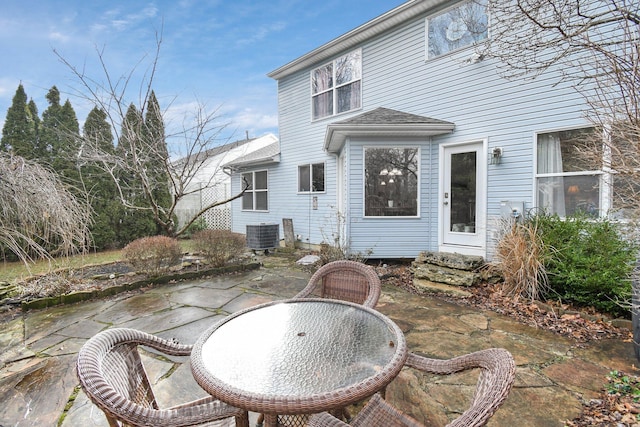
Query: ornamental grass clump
(219, 246)
(520, 258)
(152, 255)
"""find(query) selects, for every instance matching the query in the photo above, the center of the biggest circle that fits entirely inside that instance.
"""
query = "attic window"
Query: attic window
(456, 28)
(335, 87)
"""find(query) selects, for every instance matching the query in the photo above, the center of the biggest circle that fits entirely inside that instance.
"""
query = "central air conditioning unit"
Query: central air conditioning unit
(263, 237)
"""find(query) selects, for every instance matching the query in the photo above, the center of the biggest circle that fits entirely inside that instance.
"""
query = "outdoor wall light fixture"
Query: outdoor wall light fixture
(496, 155)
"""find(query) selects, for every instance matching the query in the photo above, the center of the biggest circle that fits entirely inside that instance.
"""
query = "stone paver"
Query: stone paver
(38, 351)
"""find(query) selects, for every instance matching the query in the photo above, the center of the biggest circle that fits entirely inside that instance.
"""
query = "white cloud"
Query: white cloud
(260, 33)
(7, 87)
(58, 37)
(256, 121)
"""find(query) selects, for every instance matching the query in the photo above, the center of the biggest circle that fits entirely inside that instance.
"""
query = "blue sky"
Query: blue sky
(215, 53)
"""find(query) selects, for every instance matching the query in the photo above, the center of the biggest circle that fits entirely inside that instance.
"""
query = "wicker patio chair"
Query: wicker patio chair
(496, 378)
(344, 280)
(112, 375)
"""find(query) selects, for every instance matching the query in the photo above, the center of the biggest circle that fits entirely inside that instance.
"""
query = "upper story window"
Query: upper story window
(566, 184)
(456, 28)
(311, 178)
(335, 87)
(391, 181)
(255, 198)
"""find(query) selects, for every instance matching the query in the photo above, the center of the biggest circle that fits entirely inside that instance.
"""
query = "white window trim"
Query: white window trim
(418, 188)
(605, 173)
(451, 52)
(334, 88)
(254, 191)
(324, 171)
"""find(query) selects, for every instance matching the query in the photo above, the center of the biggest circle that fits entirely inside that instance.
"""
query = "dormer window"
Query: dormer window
(461, 26)
(335, 87)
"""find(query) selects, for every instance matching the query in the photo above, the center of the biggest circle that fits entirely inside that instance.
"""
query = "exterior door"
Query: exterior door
(463, 195)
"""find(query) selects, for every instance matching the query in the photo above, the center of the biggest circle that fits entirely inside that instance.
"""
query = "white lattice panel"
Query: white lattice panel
(216, 218)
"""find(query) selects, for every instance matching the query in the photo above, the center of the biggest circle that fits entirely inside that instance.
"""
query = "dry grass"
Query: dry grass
(13, 272)
(16, 271)
(519, 258)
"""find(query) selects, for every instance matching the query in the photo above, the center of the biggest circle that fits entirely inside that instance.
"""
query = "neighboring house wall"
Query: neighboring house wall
(396, 75)
(212, 183)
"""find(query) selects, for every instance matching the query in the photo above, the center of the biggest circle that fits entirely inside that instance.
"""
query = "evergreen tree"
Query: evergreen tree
(107, 209)
(60, 135)
(19, 133)
(49, 130)
(33, 110)
(64, 153)
(154, 139)
(137, 218)
(131, 129)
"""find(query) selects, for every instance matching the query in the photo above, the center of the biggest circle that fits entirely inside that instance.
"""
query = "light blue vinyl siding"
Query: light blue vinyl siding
(393, 236)
(301, 142)
(396, 75)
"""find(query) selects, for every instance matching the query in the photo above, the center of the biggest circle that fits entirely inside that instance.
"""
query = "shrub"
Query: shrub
(219, 246)
(152, 255)
(335, 246)
(197, 225)
(591, 262)
(520, 257)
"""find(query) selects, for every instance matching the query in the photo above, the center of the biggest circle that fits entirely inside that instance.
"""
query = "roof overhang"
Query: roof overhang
(337, 133)
(264, 161)
(373, 28)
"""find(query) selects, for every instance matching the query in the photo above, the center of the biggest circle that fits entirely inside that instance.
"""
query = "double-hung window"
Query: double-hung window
(335, 87)
(566, 183)
(391, 181)
(255, 197)
(458, 27)
(311, 178)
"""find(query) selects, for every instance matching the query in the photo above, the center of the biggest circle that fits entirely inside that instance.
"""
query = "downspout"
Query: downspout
(429, 196)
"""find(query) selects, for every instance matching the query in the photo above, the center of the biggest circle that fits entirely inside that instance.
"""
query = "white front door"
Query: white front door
(463, 197)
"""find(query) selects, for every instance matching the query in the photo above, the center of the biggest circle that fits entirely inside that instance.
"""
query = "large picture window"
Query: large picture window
(311, 178)
(391, 181)
(565, 184)
(335, 87)
(255, 198)
(456, 28)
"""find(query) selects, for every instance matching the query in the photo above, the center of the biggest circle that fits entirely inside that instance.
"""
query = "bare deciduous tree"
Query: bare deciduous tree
(150, 163)
(594, 45)
(39, 217)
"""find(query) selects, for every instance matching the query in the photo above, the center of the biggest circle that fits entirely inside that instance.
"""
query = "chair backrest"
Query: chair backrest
(344, 280)
(112, 375)
(497, 374)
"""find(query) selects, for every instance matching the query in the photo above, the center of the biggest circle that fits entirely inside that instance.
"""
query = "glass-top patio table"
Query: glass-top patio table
(298, 356)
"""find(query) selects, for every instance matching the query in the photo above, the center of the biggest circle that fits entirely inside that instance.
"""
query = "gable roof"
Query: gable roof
(212, 152)
(383, 122)
(263, 156)
(406, 11)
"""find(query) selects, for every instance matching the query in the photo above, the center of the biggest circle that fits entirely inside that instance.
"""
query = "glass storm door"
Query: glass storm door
(462, 195)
